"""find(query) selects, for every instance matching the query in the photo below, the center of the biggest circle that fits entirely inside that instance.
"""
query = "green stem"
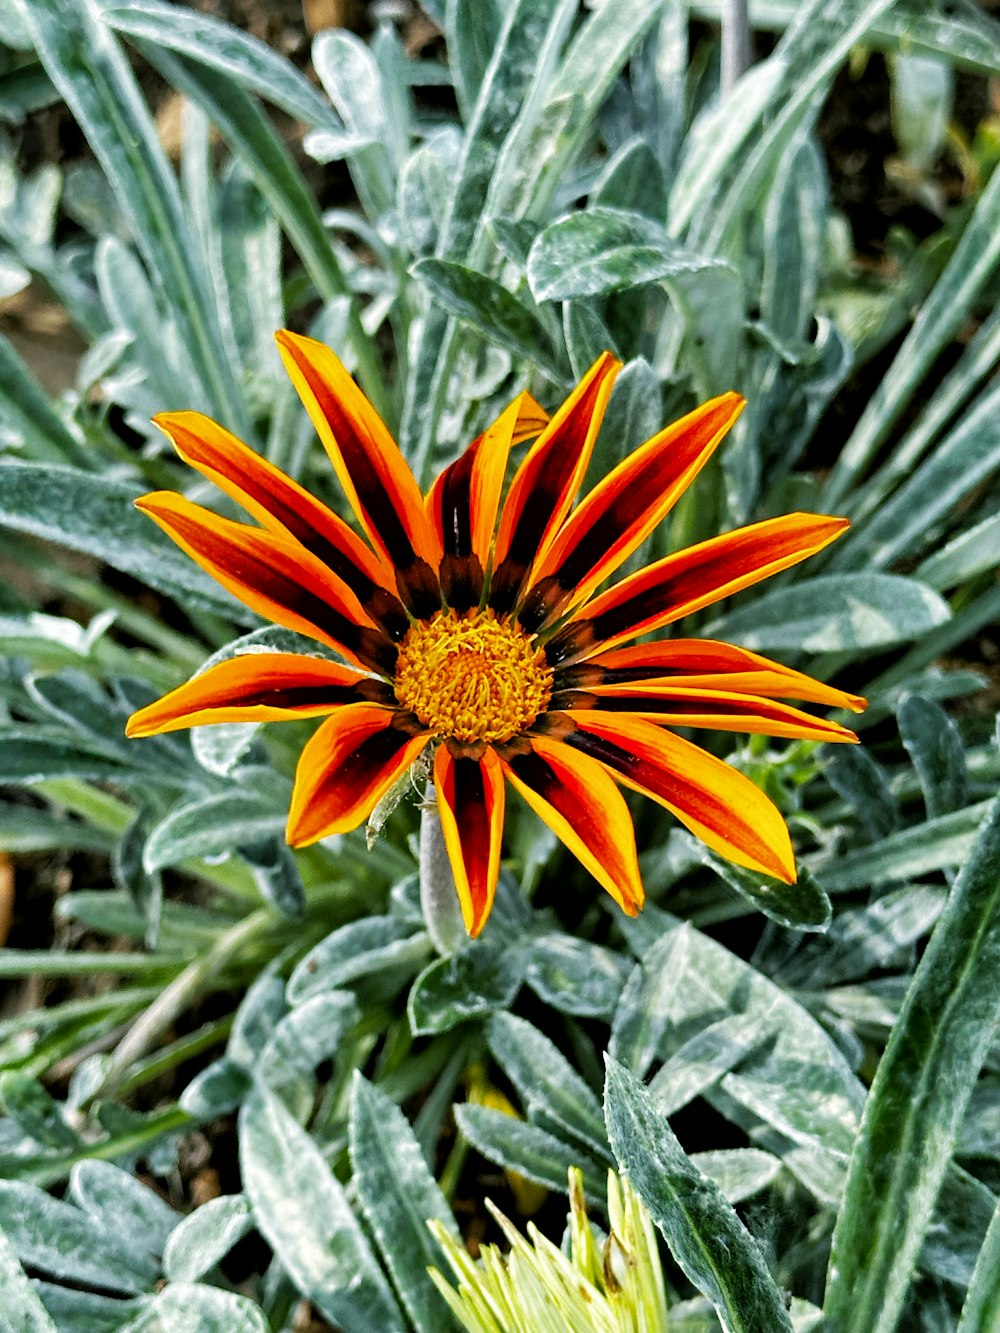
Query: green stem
(438, 895)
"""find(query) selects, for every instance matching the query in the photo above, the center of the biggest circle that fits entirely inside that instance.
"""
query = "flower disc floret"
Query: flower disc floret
(473, 677)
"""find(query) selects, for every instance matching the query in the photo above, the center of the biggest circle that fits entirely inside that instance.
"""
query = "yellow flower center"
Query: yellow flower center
(472, 676)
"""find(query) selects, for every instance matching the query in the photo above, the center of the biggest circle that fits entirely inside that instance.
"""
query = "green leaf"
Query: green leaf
(704, 1234)
(84, 1311)
(59, 1239)
(94, 515)
(981, 1311)
(644, 1011)
(472, 28)
(209, 826)
(800, 906)
(237, 55)
(353, 81)
(576, 976)
(479, 979)
(634, 414)
(948, 306)
(87, 66)
(605, 250)
(190, 1307)
(948, 1022)
(30, 754)
(302, 1211)
(36, 1111)
(545, 1080)
(704, 1058)
(200, 1240)
(835, 612)
(25, 829)
(864, 784)
(399, 1196)
(939, 844)
(740, 1173)
(971, 553)
(118, 1201)
(22, 1311)
(380, 945)
(938, 755)
(28, 418)
(528, 1150)
(498, 315)
(632, 180)
(313, 1032)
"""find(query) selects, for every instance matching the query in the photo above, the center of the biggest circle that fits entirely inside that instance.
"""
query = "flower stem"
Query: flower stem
(438, 895)
(735, 42)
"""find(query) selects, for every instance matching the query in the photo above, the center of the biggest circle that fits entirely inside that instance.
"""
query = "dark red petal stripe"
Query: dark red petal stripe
(259, 687)
(691, 579)
(347, 767)
(470, 796)
(274, 576)
(279, 502)
(371, 469)
(622, 510)
(546, 482)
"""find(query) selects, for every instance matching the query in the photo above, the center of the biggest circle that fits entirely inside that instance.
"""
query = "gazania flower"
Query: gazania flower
(478, 629)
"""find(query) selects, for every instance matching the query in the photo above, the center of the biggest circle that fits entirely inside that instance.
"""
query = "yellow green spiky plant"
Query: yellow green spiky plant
(612, 1287)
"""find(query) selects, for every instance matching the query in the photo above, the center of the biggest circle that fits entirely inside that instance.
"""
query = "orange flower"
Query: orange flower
(485, 639)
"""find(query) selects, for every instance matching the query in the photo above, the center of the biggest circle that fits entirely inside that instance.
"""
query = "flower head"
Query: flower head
(477, 628)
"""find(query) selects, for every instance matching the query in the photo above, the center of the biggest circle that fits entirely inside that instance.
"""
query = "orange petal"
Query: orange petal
(690, 579)
(346, 769)
(544, 485)
(705, 664)
(718, 804)
(372, 471)
(258, 687)
(622, 510)
(274, 576)
(574, 795)
(283, 506)
(671, 703)
(470, 795)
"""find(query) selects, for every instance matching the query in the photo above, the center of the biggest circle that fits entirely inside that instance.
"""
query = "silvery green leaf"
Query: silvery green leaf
(36, 753)
(36, 1111)
(217, 1090)
(477, 980)
(498, 315)
(935, 746)
(705, 1057)
(302, 1211)
(200, 1240)
(967, 555)
(940, 844)
(423, 192)
(116, 1200)
(472, 28)
(353, 82)
(399, 1196)
(306, 1036)
(740, 1173)
(606, 250)
(190, 1307)
(59, 1239)
(586, 336)
(94, 515)
(633, 180)
(948, 1023)
(22, 1311)
(835, 612)
(922, 101)
(144, 888)
(864, 784)
(276, 873)
(211, 826)
(528, 1150)
(645, 1009)
(28, 419)
(237, 55)
(704, 1234)
(575, 976)
(545, 1080)
(981, 1311)
(372, 945)
(25, 829)
(800, 906)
